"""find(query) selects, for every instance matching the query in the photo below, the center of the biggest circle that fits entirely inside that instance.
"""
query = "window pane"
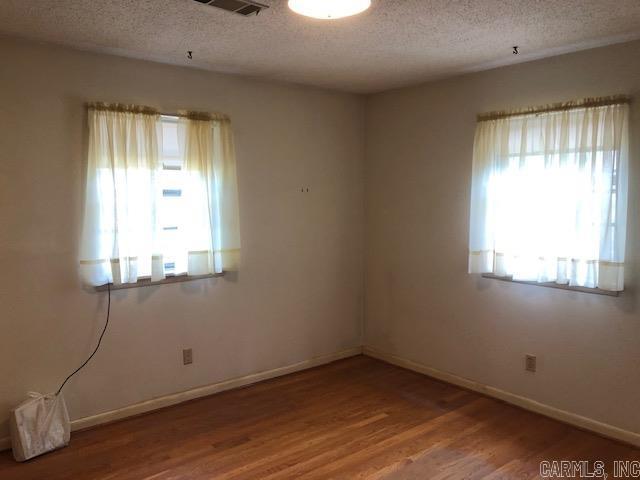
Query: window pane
(170, 203)
(170, 146)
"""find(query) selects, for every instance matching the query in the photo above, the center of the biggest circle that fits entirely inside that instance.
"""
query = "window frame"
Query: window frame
(170, 277)
(600, 149)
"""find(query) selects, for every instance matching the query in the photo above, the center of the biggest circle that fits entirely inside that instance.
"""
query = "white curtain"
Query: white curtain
(549, 197)
(122, 238)
(211, 241)
(120, 231)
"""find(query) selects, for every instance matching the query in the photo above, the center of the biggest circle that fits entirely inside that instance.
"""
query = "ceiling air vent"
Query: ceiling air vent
(243, 7)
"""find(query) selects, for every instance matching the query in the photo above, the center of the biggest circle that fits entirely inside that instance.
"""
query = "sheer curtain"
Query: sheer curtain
(122, 239)
(210, 222)
(549, 196)
(120, 236)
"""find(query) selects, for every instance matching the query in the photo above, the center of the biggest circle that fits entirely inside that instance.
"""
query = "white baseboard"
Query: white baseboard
(573, 419)
(578, 421)
(175, 398)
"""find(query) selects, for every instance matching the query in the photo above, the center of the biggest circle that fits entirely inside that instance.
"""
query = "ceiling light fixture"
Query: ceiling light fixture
(329, 9)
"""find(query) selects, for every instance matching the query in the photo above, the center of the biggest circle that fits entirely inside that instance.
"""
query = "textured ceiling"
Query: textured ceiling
(395, 43)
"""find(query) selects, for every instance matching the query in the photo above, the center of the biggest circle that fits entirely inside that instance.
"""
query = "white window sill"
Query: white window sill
(596, 291)
(146, 282)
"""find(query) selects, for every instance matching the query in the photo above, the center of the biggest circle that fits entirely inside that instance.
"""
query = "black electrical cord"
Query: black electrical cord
(106, 324)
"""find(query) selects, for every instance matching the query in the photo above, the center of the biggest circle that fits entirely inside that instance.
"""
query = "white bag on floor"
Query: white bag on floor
(39, 425)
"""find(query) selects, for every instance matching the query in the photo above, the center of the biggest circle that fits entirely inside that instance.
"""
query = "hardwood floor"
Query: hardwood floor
(354, 419)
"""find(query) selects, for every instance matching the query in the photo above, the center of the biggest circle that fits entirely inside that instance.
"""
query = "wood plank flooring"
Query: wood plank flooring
(354, 419)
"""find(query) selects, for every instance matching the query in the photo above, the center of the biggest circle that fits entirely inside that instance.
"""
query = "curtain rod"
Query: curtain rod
(557, 107)
(142, 109)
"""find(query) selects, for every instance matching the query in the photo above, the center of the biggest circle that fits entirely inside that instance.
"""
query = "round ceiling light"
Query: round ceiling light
(329, 9)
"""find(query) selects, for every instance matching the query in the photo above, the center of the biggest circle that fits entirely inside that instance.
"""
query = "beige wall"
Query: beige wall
(420, 302)
(298, 294)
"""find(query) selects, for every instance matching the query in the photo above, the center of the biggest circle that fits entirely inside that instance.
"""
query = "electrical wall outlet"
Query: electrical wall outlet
(187, 356)
(530, 363)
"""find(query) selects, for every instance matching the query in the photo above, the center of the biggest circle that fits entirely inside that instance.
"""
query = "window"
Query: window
(549, 195)
(161, 196)
(171, 202)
